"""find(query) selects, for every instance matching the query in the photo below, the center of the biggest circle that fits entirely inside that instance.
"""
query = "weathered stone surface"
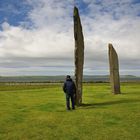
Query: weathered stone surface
(114, 70)
(79, 55)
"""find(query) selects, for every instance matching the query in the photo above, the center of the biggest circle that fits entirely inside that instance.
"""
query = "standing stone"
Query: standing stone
(79, 55)
(114, 70)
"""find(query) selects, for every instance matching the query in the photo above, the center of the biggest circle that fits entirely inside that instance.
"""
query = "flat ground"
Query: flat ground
(38, 113)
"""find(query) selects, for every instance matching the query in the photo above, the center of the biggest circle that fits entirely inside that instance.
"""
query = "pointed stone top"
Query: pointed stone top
(110, 46)
(112, 50)
(76, 12)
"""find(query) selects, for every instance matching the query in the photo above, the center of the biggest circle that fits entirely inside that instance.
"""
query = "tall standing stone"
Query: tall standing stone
(79, 55)
(114, 70)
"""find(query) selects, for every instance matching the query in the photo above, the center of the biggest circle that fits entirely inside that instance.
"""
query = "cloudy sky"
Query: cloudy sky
(36, 36)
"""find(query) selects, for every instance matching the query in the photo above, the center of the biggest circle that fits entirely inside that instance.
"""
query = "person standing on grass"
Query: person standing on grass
(69, 88)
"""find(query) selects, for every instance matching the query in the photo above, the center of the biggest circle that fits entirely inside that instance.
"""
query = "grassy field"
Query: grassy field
(38, 113)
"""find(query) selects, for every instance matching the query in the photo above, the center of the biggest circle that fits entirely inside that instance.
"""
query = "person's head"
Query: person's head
(68, 77)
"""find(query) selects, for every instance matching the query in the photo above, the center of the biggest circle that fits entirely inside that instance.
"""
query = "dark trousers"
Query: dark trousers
(68, 97)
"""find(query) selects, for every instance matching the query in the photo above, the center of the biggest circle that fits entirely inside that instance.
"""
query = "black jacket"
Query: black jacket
(69, 87)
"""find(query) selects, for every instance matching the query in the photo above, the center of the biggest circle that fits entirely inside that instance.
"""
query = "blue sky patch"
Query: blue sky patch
(13, 11)
(135, 1)
(83, 7)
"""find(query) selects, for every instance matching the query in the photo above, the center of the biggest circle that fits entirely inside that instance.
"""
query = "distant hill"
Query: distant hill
(105, 78)
(61, 78)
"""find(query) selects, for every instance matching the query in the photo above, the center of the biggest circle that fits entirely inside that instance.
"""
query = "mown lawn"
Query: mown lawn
(38, 113)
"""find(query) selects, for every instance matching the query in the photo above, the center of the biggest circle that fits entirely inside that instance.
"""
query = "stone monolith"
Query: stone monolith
(114, 70)
(79, 55)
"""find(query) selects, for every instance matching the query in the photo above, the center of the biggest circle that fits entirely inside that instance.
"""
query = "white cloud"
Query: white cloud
(101, 27)
(50, 40)
(19, 42)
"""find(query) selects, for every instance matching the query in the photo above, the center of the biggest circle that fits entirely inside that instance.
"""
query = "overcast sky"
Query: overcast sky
(36, 36)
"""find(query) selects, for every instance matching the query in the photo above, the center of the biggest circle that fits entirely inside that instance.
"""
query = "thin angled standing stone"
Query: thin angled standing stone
(79, 55)
(114, 70)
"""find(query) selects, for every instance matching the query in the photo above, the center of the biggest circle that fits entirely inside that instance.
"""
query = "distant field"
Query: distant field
(37, 112)
(61, 78)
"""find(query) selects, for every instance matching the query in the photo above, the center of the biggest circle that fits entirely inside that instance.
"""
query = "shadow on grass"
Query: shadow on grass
(130, 93)
(103, 104)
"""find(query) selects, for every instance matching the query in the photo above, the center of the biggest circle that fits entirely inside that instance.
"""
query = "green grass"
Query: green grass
(38, 113)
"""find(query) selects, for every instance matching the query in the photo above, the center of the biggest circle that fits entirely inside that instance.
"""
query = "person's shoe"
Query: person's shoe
(68, 108)
(73, 108)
